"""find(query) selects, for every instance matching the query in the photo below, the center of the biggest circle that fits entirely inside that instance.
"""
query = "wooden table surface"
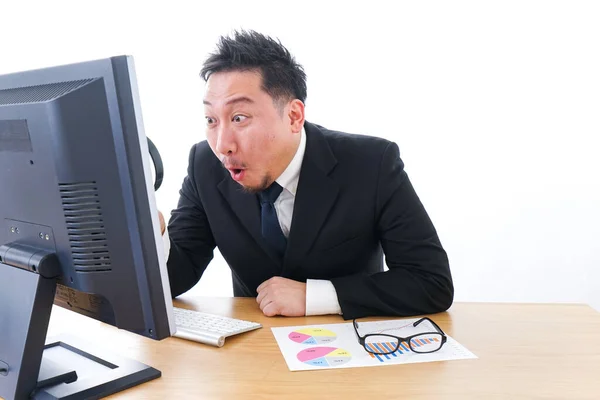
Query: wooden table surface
(525, 351)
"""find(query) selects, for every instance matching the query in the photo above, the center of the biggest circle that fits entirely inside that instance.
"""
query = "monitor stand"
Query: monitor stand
(63, 368)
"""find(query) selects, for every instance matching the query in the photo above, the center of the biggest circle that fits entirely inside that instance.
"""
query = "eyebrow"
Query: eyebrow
(241, 99)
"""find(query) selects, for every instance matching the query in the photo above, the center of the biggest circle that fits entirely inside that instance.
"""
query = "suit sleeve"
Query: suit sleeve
(418, 280)
(191, 238)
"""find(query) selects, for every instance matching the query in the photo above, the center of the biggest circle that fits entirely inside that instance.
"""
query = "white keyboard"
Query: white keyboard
(208, 328)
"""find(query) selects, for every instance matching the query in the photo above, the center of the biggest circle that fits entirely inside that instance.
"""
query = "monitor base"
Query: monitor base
(62, 369)
(97, 373)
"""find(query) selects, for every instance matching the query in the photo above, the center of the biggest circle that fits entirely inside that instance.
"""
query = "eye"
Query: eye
(239, 118)
(209, 120)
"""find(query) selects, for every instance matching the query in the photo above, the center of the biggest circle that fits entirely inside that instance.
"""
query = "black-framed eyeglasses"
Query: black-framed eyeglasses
(425, 342)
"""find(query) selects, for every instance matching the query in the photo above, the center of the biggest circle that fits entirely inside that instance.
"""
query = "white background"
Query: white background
(495, 107)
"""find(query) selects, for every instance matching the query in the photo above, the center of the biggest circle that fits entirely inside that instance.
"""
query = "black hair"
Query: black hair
(282, 76)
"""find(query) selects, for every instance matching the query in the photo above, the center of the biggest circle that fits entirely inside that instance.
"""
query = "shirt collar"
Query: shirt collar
(289, 178)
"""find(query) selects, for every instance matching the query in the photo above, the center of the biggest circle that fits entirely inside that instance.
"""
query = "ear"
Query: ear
(296, 115)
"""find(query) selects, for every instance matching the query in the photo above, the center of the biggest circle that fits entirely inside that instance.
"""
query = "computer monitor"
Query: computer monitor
(78, 226)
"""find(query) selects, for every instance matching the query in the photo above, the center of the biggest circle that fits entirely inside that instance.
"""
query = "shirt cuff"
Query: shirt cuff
(321, 298)
(166, 243)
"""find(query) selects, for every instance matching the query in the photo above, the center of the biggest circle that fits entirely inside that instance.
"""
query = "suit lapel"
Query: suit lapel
(315, 196)
(246, 207)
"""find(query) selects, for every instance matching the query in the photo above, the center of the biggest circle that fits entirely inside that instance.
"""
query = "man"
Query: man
(300, 213)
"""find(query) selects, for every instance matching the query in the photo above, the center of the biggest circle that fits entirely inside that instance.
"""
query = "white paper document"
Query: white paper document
(312, 347)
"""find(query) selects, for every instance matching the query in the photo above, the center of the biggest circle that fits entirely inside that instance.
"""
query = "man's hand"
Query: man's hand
(162, 223)
(282, 296)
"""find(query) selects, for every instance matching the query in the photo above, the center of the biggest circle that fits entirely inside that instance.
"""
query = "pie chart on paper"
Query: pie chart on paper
(312, 336)
(324, 356)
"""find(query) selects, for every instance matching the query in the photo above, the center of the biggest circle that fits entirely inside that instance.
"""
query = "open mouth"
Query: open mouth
(237, 173)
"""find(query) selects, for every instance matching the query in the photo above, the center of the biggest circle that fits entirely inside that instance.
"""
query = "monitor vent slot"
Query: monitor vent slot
(85, 226)
(40, 93)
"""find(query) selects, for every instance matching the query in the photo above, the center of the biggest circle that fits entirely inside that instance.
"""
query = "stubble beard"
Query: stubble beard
(265, 183)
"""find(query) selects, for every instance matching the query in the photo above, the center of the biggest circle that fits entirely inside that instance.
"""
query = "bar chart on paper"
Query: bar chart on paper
(403, 348)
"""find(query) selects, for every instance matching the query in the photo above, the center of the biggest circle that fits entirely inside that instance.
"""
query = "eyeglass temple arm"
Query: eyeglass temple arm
(432, 323)
(355, 325)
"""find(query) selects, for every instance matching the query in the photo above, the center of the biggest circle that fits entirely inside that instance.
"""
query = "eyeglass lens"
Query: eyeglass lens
(382, 344)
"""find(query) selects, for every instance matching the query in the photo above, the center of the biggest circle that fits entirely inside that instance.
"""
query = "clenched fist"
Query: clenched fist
(282, 296)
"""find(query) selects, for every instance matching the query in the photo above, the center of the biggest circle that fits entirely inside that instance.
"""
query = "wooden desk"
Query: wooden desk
(526, 351)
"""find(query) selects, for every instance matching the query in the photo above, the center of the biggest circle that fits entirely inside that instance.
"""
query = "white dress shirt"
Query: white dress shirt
(321, 297)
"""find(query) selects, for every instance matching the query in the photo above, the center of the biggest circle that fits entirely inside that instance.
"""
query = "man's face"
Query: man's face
(245, 129)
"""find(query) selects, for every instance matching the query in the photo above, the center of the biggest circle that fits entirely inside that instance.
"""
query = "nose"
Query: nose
(226, 141)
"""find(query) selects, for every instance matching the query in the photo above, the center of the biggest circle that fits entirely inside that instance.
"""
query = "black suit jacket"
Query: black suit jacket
(353, 200)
